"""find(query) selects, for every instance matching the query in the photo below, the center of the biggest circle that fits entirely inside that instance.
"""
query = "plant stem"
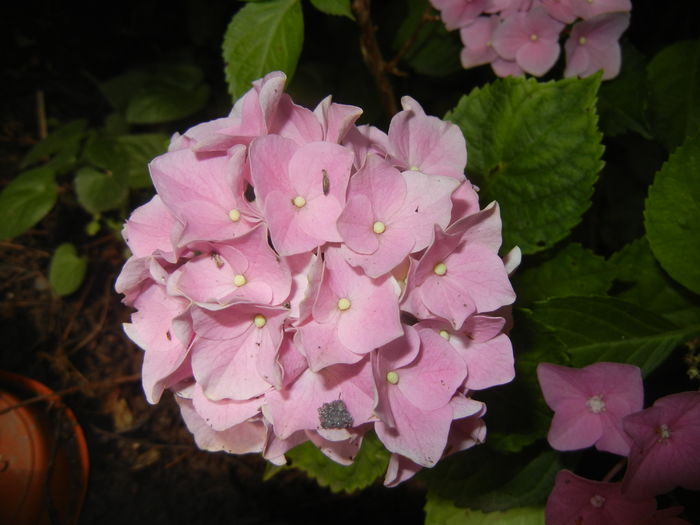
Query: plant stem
(372, 56)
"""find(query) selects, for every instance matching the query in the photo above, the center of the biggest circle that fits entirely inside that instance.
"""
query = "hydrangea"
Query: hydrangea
(300, 278)
(522, 36)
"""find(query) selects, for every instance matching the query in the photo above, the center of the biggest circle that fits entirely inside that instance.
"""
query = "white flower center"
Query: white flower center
(664, 433)
(299, 201)
(597, 501)
(378, 227)
(259, 321)
(445, 335)
(392, 377)
(596, 404)
(533, 37)
(582, 40)
(239, 279)
(344, 304)
(440, 269)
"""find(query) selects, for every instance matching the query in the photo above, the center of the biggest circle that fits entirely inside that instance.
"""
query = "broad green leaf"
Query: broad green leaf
(672, 215)
(100, 191)
(26, 200)
(530, 486)
(127, 155)
(640, 280)
(534, 147)
(158, 93)
(60, 148)
(334, 7)
(606, 329)
(571, 270)
(433, 51)
(482, 479)
(262, 37)
(370, 463)
(66, 270)
(440, 511)
(674, 92)
(619, 111)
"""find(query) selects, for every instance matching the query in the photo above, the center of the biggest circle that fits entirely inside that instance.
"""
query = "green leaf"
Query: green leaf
(534, 147)
(620, 112)
(370, 463)
(440, 511)
(672, 215)
(262, 37)
(158, 93)
(67, 270)
(640, 280)
(674, 92)
(60, 148)
(139, 151)
(434, 51)
(26, 200)
(334, 7)
(485, 480)
(100, 191)
(606, 329)
(571, 270)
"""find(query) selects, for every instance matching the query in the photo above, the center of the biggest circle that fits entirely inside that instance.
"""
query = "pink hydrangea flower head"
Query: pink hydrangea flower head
(664, 452)
(531, 39)
(593, 45)
(478, 42)
(589, 404)
(578, 501)
(272, 271)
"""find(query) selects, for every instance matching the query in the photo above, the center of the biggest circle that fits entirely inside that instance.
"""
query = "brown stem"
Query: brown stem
(41, 115)
(372, 56)
(59, 393)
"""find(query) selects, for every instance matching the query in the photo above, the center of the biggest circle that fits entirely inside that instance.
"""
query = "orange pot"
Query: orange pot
(43, 457)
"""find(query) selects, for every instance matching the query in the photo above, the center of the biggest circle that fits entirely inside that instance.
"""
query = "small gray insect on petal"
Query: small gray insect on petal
(335, 415)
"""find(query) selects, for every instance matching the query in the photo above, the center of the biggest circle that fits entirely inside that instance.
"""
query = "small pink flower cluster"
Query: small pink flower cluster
(601, 405)
(298, 278)
(522, 36)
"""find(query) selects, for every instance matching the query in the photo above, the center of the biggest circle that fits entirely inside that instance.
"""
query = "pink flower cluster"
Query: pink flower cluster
(522, 36)
(300, 278)
(601, 405)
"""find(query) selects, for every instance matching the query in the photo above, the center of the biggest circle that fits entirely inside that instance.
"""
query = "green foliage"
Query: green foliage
(158, 93)
(534, 147)
(60, 149)
(100, 191)
(571, 270)
(439, 511)
(619, 110)
(26, 200)
(67, 269)
(262, 37)
(640, 280)
(486, 480)
(334, 7)
(606, 329)
(674, 92)
(434, 51)
(370, 464)
(672, 215)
